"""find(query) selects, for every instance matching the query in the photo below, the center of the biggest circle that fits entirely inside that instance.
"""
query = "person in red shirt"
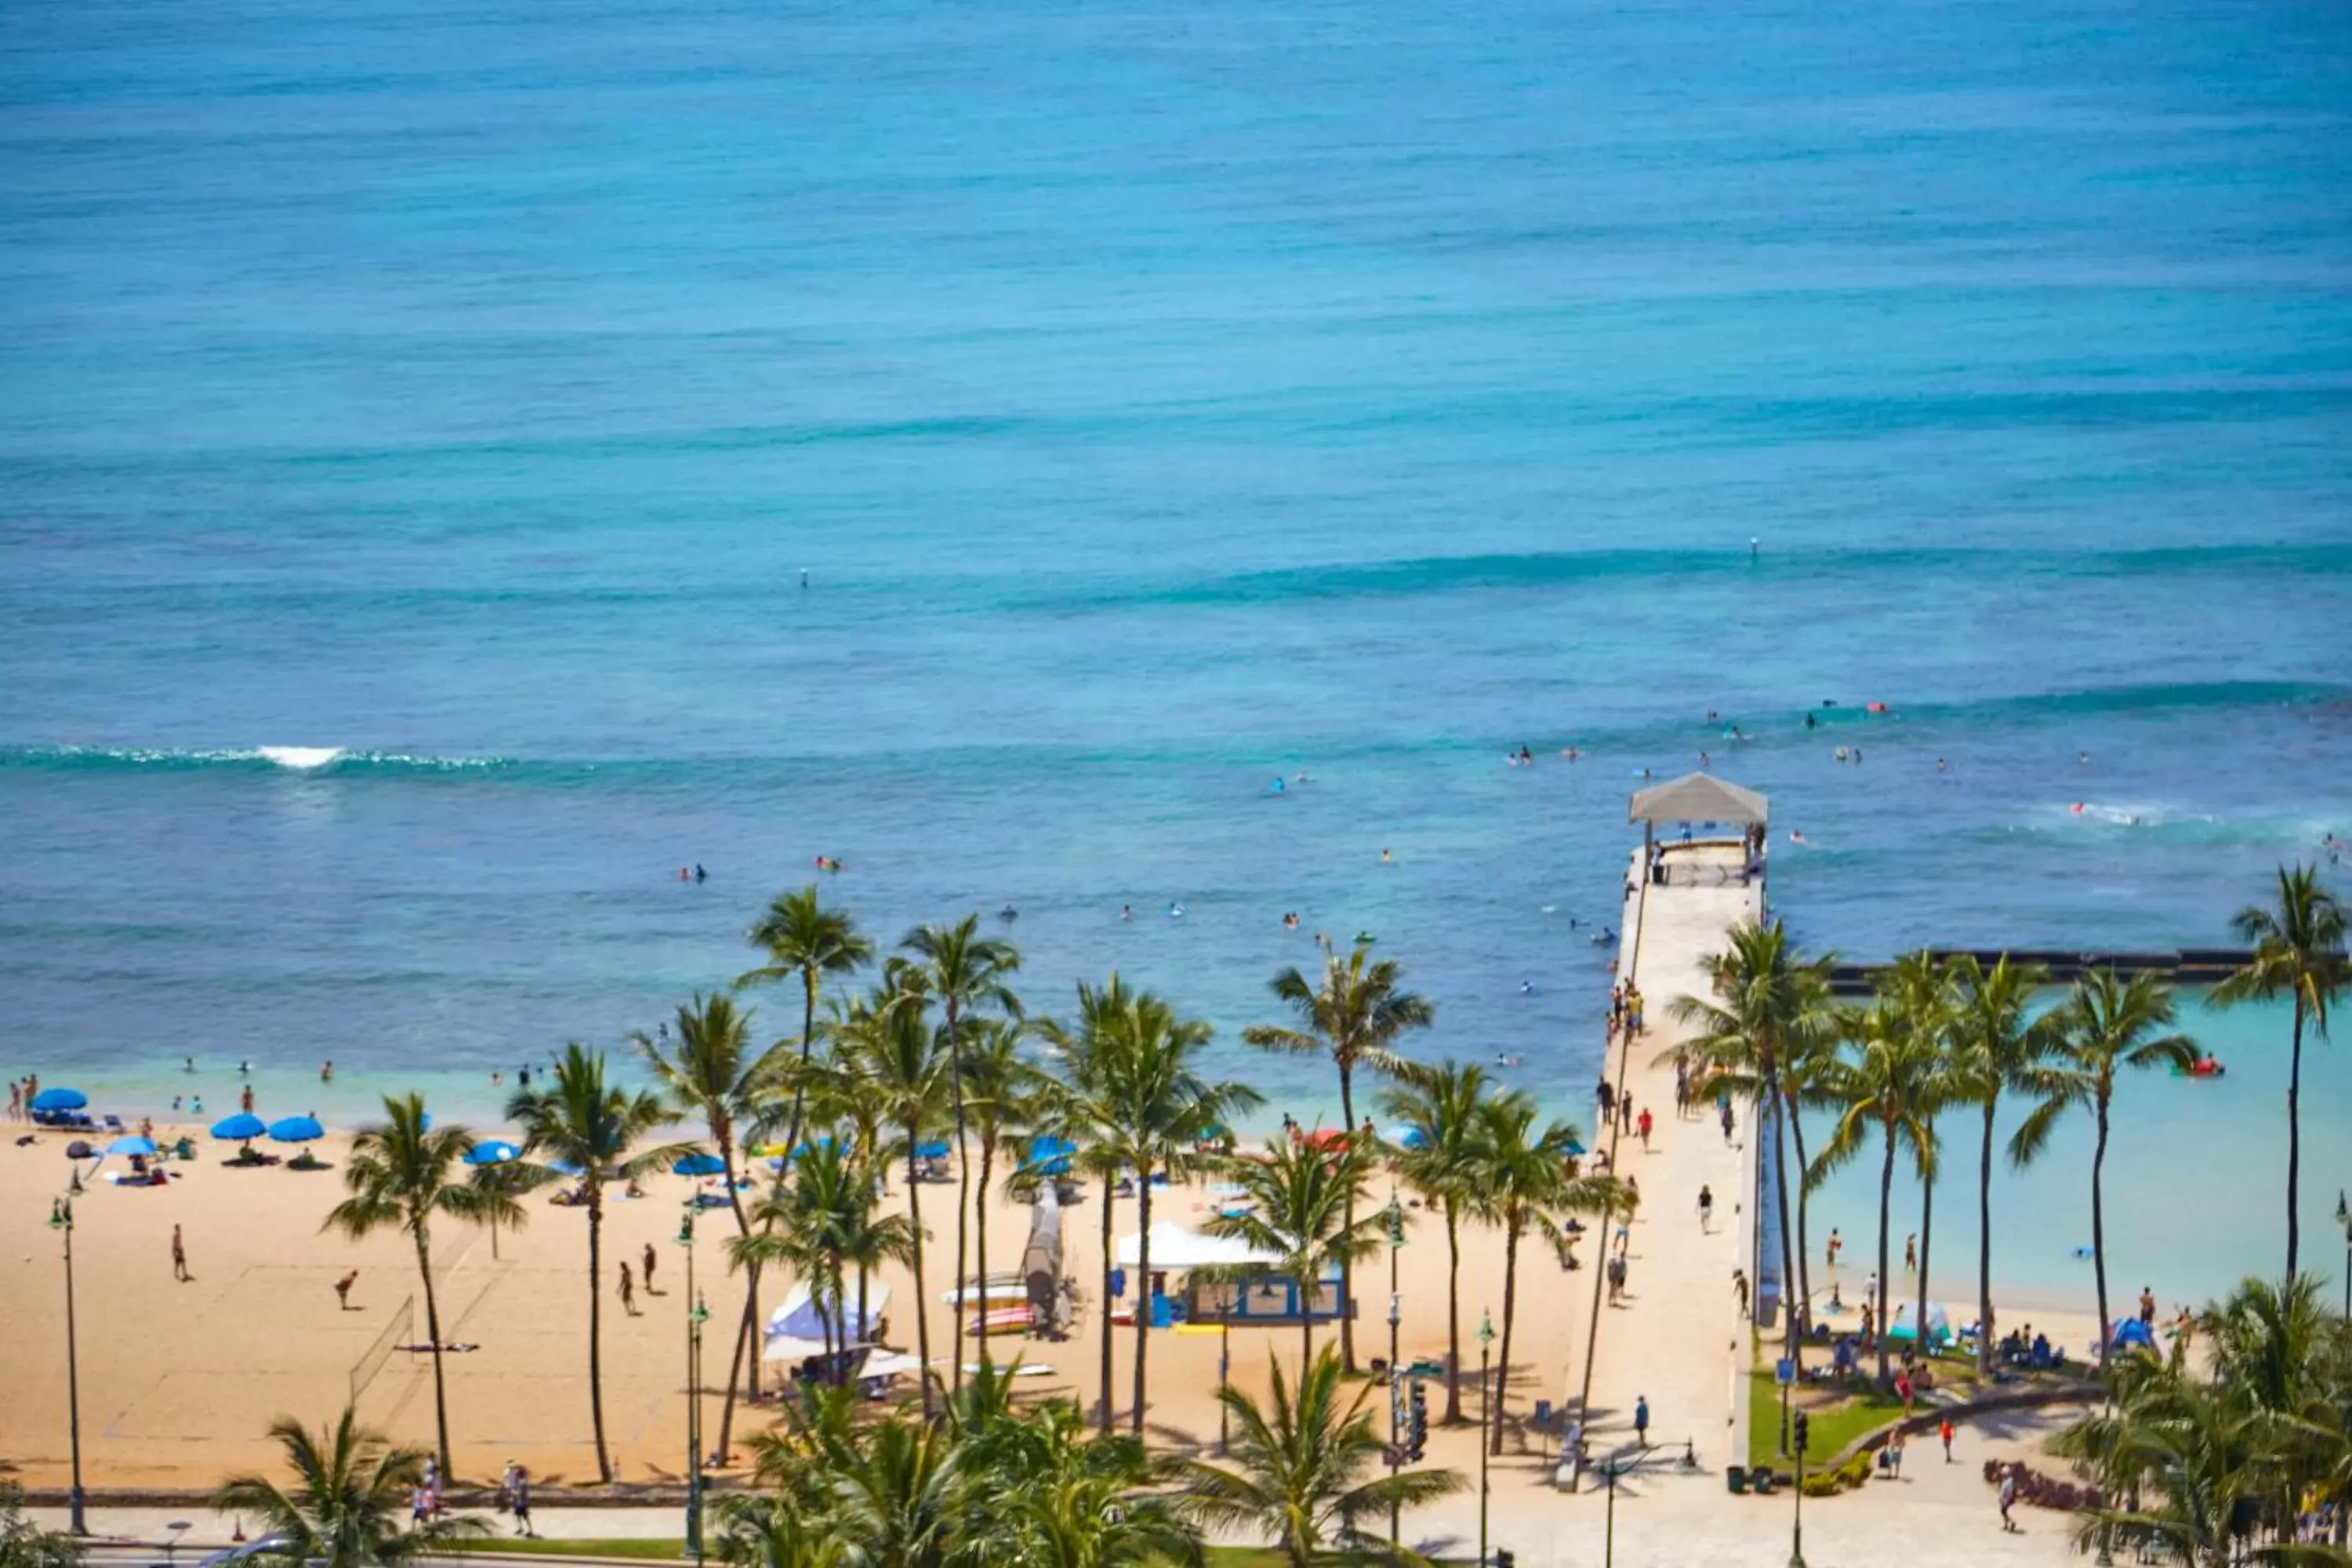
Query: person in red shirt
(1645, 1124)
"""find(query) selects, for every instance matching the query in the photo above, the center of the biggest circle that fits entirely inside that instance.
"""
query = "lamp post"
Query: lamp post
(1609, 1530)
(1485, 1418)
(1396, 1400)
(694, 1317)
(61, 1220)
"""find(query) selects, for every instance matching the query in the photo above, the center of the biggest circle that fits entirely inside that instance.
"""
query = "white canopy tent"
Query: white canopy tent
(796, 1330)
(1903, 1321)
(1176, 1249)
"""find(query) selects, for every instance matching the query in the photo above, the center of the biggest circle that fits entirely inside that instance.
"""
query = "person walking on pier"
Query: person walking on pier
(1705, 1208)
(1644, 1123)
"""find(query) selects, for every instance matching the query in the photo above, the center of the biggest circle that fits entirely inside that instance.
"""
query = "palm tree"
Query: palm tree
(1769, 1009)
(1522, 1184)
(806, 942)
(2298, 946)
(890, 1047)
(1297, 1208)
(2109, 1024)
(966, 971)
(345, 1509)
(1354, 1016)
(1880, 1086)
(1058, 1501)
(1002, 1097)
(2196, 1464)
(1445, 1105)
(1082, 1104)
(823, 1223)
(400, 1174)
(25, 1545)
(1299, 1464)
(714, 1069)
(1929, 990)
(761, 1530)
(1161, 1111)
(1995, 1043)
(588, 1124)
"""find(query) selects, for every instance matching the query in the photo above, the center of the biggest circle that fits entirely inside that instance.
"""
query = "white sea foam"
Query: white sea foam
(303, 758)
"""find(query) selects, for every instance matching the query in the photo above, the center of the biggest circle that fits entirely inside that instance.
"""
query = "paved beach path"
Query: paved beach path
(1675, 1336)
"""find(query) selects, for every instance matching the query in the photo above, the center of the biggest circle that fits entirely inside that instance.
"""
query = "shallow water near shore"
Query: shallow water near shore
(421, 427)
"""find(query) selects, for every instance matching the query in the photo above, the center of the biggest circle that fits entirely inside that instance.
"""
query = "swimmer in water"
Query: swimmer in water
(1527, 987)
(1008, 913)
(1527, 758)
(2084, 758)
(1941, 765)
(700, 874)
(1175, 912)
(1275, 787)
(1127, 911)
(1386, 858)
(1808, 721)
(1795, 837)
(803, 576)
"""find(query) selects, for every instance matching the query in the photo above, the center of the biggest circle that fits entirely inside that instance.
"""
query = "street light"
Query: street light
(694, 1317)
(1485, 1416)
(1396, 1397)
(61, 1219)
(2343, 1218)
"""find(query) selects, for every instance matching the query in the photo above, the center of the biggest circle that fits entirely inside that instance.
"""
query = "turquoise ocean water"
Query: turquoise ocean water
(1160, 400)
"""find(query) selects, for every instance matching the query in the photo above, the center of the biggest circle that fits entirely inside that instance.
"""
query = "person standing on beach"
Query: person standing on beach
(628, 1290)
(1644, 1123)
(2009, 1497)
(1911, 1253)
(2146, 1307)
(649, 1272)
(1944, 1430)
(180, 1258)
(521, 1499)
(343, 1291)
(1706, 1206)
(1740, 1283)
(1642, 1419)
(1723, 1109)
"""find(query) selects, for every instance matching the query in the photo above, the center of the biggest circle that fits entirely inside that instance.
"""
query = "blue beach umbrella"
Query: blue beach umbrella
(244, 1125)
(1049, 1156)
(698, 1165)
(61, 1099)
(494, 1152)
(134, 1144)
(1414, 1138)
(296, 1129)
(1575, 1149)
(937, 1149)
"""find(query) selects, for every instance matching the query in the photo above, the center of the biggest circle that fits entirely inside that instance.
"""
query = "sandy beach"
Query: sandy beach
(180, 1380)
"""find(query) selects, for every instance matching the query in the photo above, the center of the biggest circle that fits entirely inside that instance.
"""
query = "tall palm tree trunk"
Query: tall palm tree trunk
(922, 1302)
(1453, 1317)
(980, 1243)
(841, 1370)
(1142, 1287)
(1102, 1416)
(2293, 1142)
(1804, 1201)
(808, 1044)
(1885, 1198)
(1788, 1241)
(1305, 1332)
(597, 1328)
(747, 1350)
(1984, 1245)
(1927, 1240)
(2099, 1227)
(1500, 1395)
(1347, 1261)
(433, 1332)
(963, 1191)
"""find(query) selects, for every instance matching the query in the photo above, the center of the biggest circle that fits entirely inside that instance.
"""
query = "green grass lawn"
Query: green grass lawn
(1836, 1422)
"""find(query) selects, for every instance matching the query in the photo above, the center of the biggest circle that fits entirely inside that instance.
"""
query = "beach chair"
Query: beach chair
(114, 1124)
